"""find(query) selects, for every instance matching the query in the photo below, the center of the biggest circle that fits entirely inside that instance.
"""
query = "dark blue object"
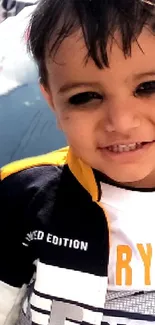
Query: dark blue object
(27, 125)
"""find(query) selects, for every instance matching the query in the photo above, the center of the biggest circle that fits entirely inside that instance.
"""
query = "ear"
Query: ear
(47, 95)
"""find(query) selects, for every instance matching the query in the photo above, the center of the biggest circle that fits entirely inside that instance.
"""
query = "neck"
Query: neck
(148, 183)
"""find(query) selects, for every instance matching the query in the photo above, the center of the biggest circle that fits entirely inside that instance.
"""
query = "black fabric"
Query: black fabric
(49, 199)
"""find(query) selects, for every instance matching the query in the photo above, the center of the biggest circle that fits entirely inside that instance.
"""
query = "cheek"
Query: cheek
(79, 127)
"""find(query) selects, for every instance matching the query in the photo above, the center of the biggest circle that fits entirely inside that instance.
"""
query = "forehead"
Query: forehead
(70, 64)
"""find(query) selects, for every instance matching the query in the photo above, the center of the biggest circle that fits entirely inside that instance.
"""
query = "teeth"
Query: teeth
(125, 148)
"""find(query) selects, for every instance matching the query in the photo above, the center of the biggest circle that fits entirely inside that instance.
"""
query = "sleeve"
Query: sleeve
(16, 262)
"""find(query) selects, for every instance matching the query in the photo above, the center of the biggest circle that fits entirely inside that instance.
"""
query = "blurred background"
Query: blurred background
(27, 125)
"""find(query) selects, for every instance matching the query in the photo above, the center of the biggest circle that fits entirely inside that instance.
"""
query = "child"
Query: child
(77, 225)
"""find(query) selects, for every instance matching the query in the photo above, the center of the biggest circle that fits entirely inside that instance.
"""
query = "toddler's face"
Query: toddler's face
(107, 115)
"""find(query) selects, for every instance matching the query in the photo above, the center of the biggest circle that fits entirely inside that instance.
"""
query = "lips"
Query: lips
(125, 148)
(119, 148)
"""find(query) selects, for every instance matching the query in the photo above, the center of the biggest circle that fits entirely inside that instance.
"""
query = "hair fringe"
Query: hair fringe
(54, 20)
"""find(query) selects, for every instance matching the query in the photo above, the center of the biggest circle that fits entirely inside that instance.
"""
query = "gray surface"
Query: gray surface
(27, 126)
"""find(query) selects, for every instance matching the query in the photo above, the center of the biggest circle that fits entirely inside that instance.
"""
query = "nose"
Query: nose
(122, 116)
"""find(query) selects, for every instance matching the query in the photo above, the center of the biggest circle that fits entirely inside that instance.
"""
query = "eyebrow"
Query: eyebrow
(72, 85)
(144, 74)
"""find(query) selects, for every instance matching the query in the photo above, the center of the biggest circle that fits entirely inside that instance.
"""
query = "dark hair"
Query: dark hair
(54, 20)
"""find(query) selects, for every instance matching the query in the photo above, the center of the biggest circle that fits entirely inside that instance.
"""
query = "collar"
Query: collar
(85, 175)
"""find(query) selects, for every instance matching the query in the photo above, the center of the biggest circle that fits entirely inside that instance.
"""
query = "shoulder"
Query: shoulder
(32, 174)
(56, 159)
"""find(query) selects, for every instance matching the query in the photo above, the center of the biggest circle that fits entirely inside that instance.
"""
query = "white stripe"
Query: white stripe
(42, 303)
(71, 285)
(24, 244)
(46, 304)
(92, 317)
(25, 306)
(39, 318)
(27, 1)
(10, 300)
(59, 311)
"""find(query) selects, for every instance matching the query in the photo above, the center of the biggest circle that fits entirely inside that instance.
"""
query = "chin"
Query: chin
(127, 180)
(133, 177)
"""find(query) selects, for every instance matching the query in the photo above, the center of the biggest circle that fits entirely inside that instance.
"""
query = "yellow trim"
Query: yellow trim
(83, 174)
(57, 157)
(86, 178)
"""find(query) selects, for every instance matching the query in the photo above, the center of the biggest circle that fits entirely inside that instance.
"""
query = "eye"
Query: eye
(84, 98)
(146, 89)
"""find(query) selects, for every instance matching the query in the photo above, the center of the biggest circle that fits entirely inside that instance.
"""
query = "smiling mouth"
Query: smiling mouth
(119, 148)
